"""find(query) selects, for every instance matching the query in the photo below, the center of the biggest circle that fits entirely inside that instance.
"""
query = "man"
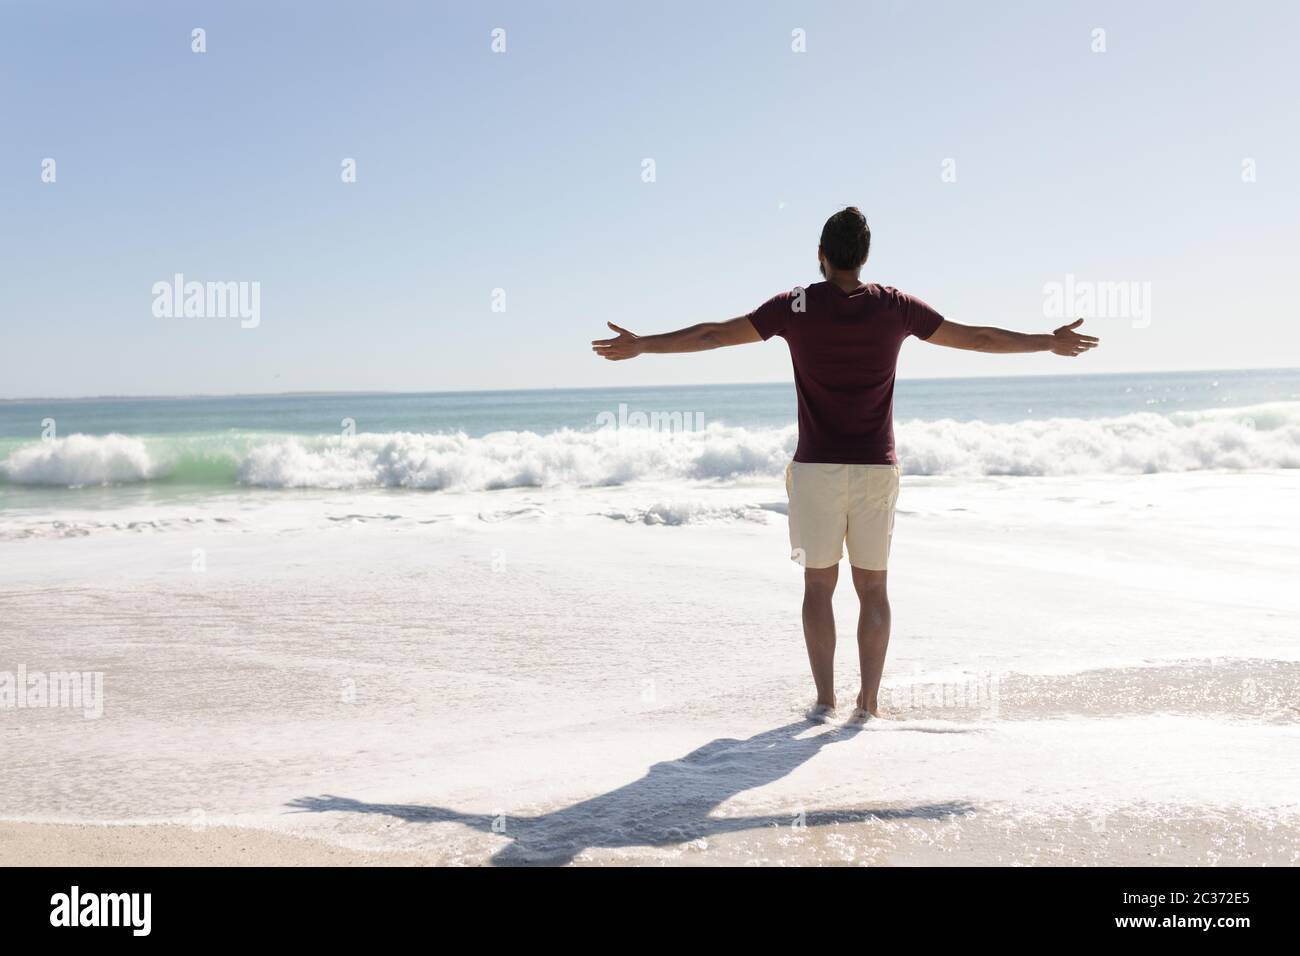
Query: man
(844, 338)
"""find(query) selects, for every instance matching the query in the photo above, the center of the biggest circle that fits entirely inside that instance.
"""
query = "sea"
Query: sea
(102, 449)
(564, 625)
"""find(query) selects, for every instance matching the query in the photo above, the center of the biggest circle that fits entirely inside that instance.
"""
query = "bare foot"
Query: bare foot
(821, 713)
(875, 713)
(861, 716)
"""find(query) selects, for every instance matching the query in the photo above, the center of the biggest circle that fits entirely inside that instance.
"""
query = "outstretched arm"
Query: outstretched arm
(696, 338)
(986, 338)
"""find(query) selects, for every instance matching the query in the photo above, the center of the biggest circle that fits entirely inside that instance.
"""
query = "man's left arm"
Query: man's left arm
(695, 338)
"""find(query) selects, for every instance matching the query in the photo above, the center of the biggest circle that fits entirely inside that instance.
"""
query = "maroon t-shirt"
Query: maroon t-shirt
(844, 346)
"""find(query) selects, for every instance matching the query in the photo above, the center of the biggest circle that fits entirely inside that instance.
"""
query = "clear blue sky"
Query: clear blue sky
(523, 171)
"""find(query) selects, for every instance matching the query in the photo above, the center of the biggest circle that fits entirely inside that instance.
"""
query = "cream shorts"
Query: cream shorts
(831, 504)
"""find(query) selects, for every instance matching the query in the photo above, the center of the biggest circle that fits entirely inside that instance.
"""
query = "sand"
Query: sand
(1090, 670)
(844, 841)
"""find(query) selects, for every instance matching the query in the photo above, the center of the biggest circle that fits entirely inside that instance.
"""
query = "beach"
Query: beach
(1087, 668)
(399, 407)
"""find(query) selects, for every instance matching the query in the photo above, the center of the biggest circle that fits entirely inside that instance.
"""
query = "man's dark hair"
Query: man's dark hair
(846, 239)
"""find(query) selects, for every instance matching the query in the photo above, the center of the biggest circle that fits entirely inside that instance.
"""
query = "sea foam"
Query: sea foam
(1256, 437)
(80, 460)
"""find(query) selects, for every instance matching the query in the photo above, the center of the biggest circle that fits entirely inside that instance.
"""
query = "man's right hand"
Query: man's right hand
(1066, 341)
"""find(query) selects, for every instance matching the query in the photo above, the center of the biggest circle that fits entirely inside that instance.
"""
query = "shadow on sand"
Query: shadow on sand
(671, 804)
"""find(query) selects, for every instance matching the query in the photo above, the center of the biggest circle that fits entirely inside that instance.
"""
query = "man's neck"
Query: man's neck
(848, 281)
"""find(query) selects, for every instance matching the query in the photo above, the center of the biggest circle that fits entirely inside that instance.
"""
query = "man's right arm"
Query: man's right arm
(986, 338)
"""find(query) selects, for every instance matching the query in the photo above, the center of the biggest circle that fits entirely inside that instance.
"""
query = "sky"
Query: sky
(502, 209)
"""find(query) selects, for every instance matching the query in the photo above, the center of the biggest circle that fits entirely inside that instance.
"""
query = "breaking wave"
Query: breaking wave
(1256, 437)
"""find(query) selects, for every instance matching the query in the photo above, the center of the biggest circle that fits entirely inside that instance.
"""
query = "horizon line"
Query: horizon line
(314, 393)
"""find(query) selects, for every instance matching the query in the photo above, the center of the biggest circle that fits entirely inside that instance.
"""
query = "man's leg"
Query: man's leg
(819, 629)
(873, 634)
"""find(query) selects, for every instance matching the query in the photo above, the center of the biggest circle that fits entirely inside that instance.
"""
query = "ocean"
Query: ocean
(564, 625)
(1066, 424)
